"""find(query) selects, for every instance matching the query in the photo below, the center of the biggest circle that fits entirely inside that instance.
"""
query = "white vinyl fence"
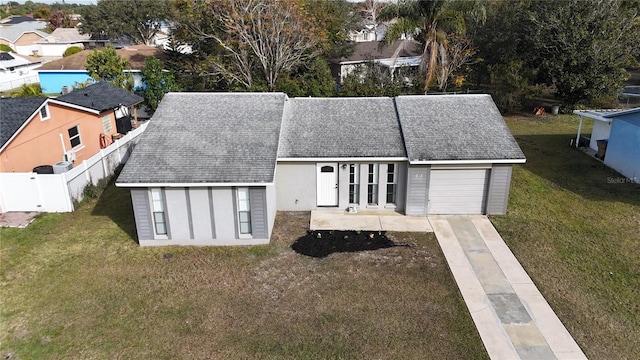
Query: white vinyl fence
(57, 192)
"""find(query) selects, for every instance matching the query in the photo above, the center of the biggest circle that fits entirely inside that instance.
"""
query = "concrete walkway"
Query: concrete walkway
(326, 219)
(513, 319)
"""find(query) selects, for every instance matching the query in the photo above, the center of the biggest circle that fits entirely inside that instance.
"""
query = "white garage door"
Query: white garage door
(460, 191)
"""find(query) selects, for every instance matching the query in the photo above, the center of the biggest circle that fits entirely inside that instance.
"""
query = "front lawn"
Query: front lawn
(574, 224)
(76, 286)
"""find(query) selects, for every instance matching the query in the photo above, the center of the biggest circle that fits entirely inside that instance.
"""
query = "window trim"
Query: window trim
(158, 208)
(354, 186)
(394, 183)
(239, 221)
(44, 107)
(373, 191)
(77, 127)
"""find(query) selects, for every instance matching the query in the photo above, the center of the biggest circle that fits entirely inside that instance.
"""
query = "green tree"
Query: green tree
(372, 79)
(430, 22)
(106, 65)
(585, 55)
(42, 12)
(312, 80)
(333, 20)
(138, 20)
(157, 81)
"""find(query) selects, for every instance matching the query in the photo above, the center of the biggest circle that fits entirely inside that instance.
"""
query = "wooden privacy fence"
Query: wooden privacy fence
(57, 192)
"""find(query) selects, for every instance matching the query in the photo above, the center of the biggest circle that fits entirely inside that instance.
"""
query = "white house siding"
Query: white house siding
(470, 189)
(296, 186)
(601, 131)
(201, 216)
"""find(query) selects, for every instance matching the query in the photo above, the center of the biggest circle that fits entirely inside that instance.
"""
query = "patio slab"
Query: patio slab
(367, 220)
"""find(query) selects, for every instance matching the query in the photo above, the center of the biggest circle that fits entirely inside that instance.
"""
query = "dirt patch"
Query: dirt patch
(322, 243)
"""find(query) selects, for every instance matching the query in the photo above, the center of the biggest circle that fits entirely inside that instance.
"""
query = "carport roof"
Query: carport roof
(439, 128)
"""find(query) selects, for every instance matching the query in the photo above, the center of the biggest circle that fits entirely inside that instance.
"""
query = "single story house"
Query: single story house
(59, 75)
(213, 168)
(16, 71)
(71, 128)
(402, 53)
(63, 38)
(22, 37)
(615, 138)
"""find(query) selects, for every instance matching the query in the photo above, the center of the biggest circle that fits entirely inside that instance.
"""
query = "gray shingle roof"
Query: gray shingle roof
(100, 96)
(209, 138)
(455, 127)
(13, 113)
(341, 127)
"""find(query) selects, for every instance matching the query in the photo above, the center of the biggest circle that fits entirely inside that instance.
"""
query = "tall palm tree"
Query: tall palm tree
(429, 22)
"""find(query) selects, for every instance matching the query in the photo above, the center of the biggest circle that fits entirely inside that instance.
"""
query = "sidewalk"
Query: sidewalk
(512, 317)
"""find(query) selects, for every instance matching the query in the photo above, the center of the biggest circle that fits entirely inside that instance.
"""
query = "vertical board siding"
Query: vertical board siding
(257, 198)
(177, 213)
(201, 218)
(499, 190)
(142, 213)
(417, 190)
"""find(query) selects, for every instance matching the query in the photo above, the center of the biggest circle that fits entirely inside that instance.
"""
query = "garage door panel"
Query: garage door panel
(458, 191)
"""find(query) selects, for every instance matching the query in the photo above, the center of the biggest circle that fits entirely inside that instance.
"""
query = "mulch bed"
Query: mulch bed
(321, 243)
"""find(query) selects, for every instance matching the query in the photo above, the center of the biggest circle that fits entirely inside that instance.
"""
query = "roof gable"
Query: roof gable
(455, 127)
(14, 112)
(341, 128)
(209, 138)
(100, 97)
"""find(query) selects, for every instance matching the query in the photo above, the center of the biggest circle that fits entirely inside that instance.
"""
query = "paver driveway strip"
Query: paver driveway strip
(513, 319)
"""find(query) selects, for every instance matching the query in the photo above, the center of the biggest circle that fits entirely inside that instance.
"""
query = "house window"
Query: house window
(372, 188)
(244, 211)
(392, 183)
(157, 207)
(106, 124)
(44, 112)
(74, 136)
(354, 183)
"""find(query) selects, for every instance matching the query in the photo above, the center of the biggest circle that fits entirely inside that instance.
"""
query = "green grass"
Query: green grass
(76, 286)
(574, 224)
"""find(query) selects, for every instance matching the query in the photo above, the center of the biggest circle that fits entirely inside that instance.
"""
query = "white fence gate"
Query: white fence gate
(57, 192)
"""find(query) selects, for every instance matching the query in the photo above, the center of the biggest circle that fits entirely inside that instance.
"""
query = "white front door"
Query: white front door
(327, 184)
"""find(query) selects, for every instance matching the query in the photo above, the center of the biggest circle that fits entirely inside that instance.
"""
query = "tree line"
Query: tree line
(578, 51)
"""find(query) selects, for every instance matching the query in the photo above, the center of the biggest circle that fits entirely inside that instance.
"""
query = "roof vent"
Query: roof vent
(65, 90)
(62, 167)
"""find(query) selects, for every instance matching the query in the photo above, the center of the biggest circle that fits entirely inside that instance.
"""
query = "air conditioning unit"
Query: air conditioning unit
(70, 156)
(62, 167)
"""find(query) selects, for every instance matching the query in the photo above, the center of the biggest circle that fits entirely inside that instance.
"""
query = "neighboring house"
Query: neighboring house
(213, 168)
(407, 53)
(369, 32)
(56, 43)
(615, 139)
(65, 72)
(22, 20)
(16, 71)
(23, 38)
(72, 127)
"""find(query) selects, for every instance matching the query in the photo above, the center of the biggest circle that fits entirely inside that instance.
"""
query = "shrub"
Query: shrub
(71, 50)
(5, 47)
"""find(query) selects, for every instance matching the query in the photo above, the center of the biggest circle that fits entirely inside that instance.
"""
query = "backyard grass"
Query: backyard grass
(77, 286)
(574, 224)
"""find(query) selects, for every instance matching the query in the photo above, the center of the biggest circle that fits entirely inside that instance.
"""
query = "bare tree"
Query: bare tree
(271, 36)
(458, 51)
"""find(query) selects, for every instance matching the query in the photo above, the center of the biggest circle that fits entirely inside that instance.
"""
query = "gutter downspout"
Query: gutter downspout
(64, 149)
